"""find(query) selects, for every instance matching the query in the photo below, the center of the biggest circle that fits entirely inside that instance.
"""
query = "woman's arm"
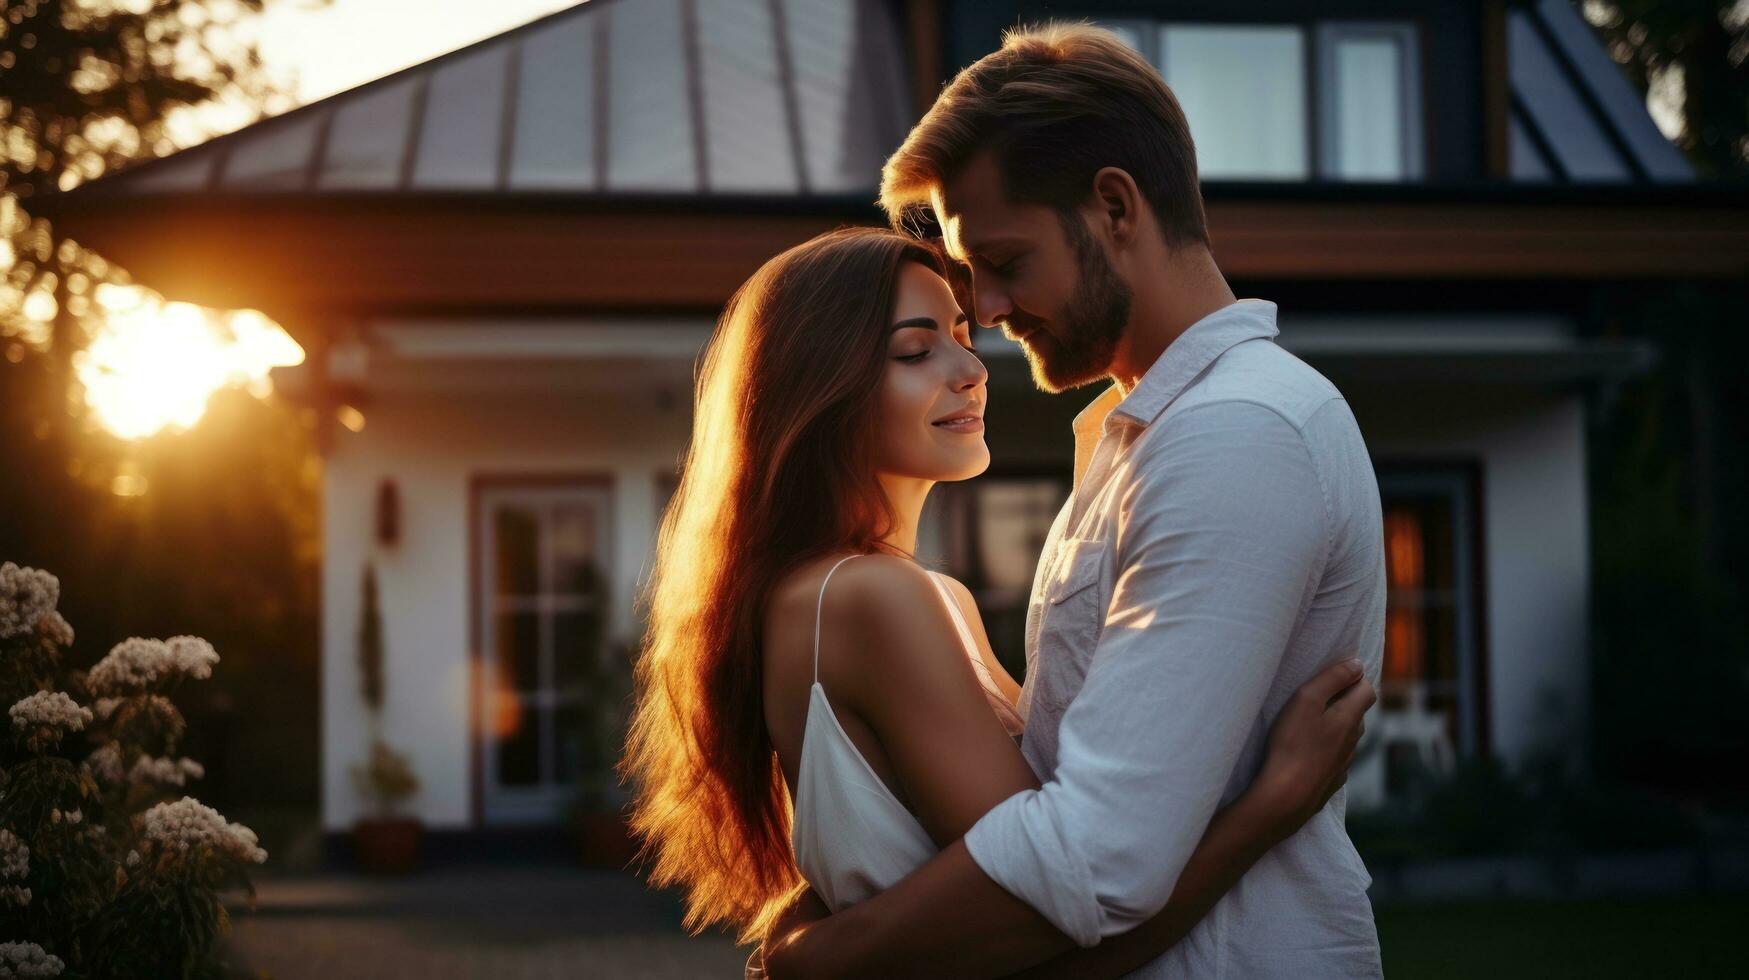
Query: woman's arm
(903, 673)
(1310, 748)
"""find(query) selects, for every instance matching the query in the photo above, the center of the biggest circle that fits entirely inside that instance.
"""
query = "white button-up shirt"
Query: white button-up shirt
(1223, 543)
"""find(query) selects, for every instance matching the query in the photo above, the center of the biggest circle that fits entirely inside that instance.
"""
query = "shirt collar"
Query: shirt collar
(1173, 371)
(1185, 358)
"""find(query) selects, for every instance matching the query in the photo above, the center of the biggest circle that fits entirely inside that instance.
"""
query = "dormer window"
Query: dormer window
(1273, 102)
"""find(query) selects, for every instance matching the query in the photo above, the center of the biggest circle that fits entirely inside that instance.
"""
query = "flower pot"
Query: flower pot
(603, 841)
(387, 845)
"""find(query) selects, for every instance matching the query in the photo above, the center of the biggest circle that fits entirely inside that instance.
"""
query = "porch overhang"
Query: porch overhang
(302, 258)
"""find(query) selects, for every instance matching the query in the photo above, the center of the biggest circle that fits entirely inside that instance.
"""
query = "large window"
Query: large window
(543, 608)
(988, 533)
(1428, 713)
(1338, 99)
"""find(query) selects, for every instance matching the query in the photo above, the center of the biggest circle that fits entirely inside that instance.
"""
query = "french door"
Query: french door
(542, 608)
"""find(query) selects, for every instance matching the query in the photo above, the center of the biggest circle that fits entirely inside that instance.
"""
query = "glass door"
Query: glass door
(544, 610)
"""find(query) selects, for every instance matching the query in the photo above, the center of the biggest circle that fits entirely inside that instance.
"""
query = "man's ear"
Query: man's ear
(1119, 203)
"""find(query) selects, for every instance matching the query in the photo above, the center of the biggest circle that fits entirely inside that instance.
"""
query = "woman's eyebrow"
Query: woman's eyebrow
(925, 323)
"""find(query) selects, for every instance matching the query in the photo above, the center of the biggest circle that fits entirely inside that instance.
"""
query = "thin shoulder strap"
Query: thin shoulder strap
(819, 607)
(959, 617)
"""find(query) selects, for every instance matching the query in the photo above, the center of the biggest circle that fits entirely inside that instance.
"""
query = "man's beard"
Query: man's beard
(1080, 348)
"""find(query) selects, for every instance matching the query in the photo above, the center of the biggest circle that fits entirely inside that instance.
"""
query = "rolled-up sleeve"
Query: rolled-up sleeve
(1224, 533)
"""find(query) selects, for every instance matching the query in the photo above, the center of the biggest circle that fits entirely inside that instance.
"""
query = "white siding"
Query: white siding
(1535, 546)
(432, 445)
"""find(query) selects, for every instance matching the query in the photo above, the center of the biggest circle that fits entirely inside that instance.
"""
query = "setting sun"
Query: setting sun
(155, 364)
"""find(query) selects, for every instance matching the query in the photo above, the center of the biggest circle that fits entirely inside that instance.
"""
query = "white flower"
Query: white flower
(188, 824)
(133, 858)
(49, 709)
(104, 707)
(55, 627)
(105, 763)
(26, 595)
(27, 960)
(193, 656)
(173, 772)
(136, 662)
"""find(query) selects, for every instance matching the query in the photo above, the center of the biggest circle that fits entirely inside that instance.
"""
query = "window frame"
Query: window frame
(1319, 38)
(1461, 483)
(1329, 34)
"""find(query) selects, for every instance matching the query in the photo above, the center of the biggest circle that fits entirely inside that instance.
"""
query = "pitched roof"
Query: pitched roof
(609, 98)
(1575, 117)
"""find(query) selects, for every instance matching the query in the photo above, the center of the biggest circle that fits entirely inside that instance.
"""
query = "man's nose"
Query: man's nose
(991, 305)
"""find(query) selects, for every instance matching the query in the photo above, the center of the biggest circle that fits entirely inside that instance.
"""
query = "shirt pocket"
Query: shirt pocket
(1072, 614)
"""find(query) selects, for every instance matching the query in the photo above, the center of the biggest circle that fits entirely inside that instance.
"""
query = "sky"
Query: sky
(349, 42)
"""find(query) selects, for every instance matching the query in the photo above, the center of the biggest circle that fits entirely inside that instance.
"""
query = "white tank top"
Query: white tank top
(852, 836)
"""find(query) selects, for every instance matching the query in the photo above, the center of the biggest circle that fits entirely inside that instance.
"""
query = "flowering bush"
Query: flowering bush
(106, 869)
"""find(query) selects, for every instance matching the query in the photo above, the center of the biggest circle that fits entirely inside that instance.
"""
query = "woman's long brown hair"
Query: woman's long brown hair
(778, 472)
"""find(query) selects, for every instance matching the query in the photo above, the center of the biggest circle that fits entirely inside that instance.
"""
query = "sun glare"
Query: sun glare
(153, 365)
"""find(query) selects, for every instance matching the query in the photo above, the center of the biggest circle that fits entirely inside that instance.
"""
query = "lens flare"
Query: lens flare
(154, 365)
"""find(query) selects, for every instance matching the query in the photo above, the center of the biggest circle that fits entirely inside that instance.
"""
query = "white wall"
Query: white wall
(1535, 539)
(432, 445)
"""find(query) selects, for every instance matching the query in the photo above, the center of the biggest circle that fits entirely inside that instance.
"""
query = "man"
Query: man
(1222, 543)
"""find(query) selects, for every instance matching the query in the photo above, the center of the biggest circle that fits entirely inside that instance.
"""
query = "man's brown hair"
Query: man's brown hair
(1056, 103)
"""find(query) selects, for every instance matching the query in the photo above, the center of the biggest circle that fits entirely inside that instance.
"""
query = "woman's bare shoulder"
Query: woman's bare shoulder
(860, 593)
(883, 596)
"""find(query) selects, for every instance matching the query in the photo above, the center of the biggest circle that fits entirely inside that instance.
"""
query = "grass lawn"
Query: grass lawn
(1693, 937)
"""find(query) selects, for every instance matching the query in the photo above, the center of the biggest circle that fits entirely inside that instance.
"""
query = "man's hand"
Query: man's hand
(1312, 743)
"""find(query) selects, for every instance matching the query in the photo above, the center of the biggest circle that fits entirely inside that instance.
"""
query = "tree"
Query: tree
(88, 87)
(1671, 548)
(1694, 53)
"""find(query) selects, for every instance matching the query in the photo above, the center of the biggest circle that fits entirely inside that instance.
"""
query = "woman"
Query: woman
(795, 650)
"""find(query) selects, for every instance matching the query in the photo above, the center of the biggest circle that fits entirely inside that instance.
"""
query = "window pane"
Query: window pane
(578, 748)
(1369, 109)
(369, 138)
(459, 139)
(1130, 33)
(519, 751)
(518, 548)
(519, 649)
(576, 647)
(1243, 88)
(1420, 671)
(555, 122)
(576, 551)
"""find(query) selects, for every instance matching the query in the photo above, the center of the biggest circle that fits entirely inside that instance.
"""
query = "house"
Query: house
(503, 263)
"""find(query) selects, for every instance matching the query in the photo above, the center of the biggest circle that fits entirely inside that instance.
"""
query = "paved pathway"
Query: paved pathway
(517, 923)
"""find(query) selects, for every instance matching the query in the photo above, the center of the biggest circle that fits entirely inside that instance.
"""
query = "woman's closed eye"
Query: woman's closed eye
(920, 355)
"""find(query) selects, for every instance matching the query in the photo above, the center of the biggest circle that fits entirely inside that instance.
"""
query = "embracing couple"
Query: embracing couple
(827, 756)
